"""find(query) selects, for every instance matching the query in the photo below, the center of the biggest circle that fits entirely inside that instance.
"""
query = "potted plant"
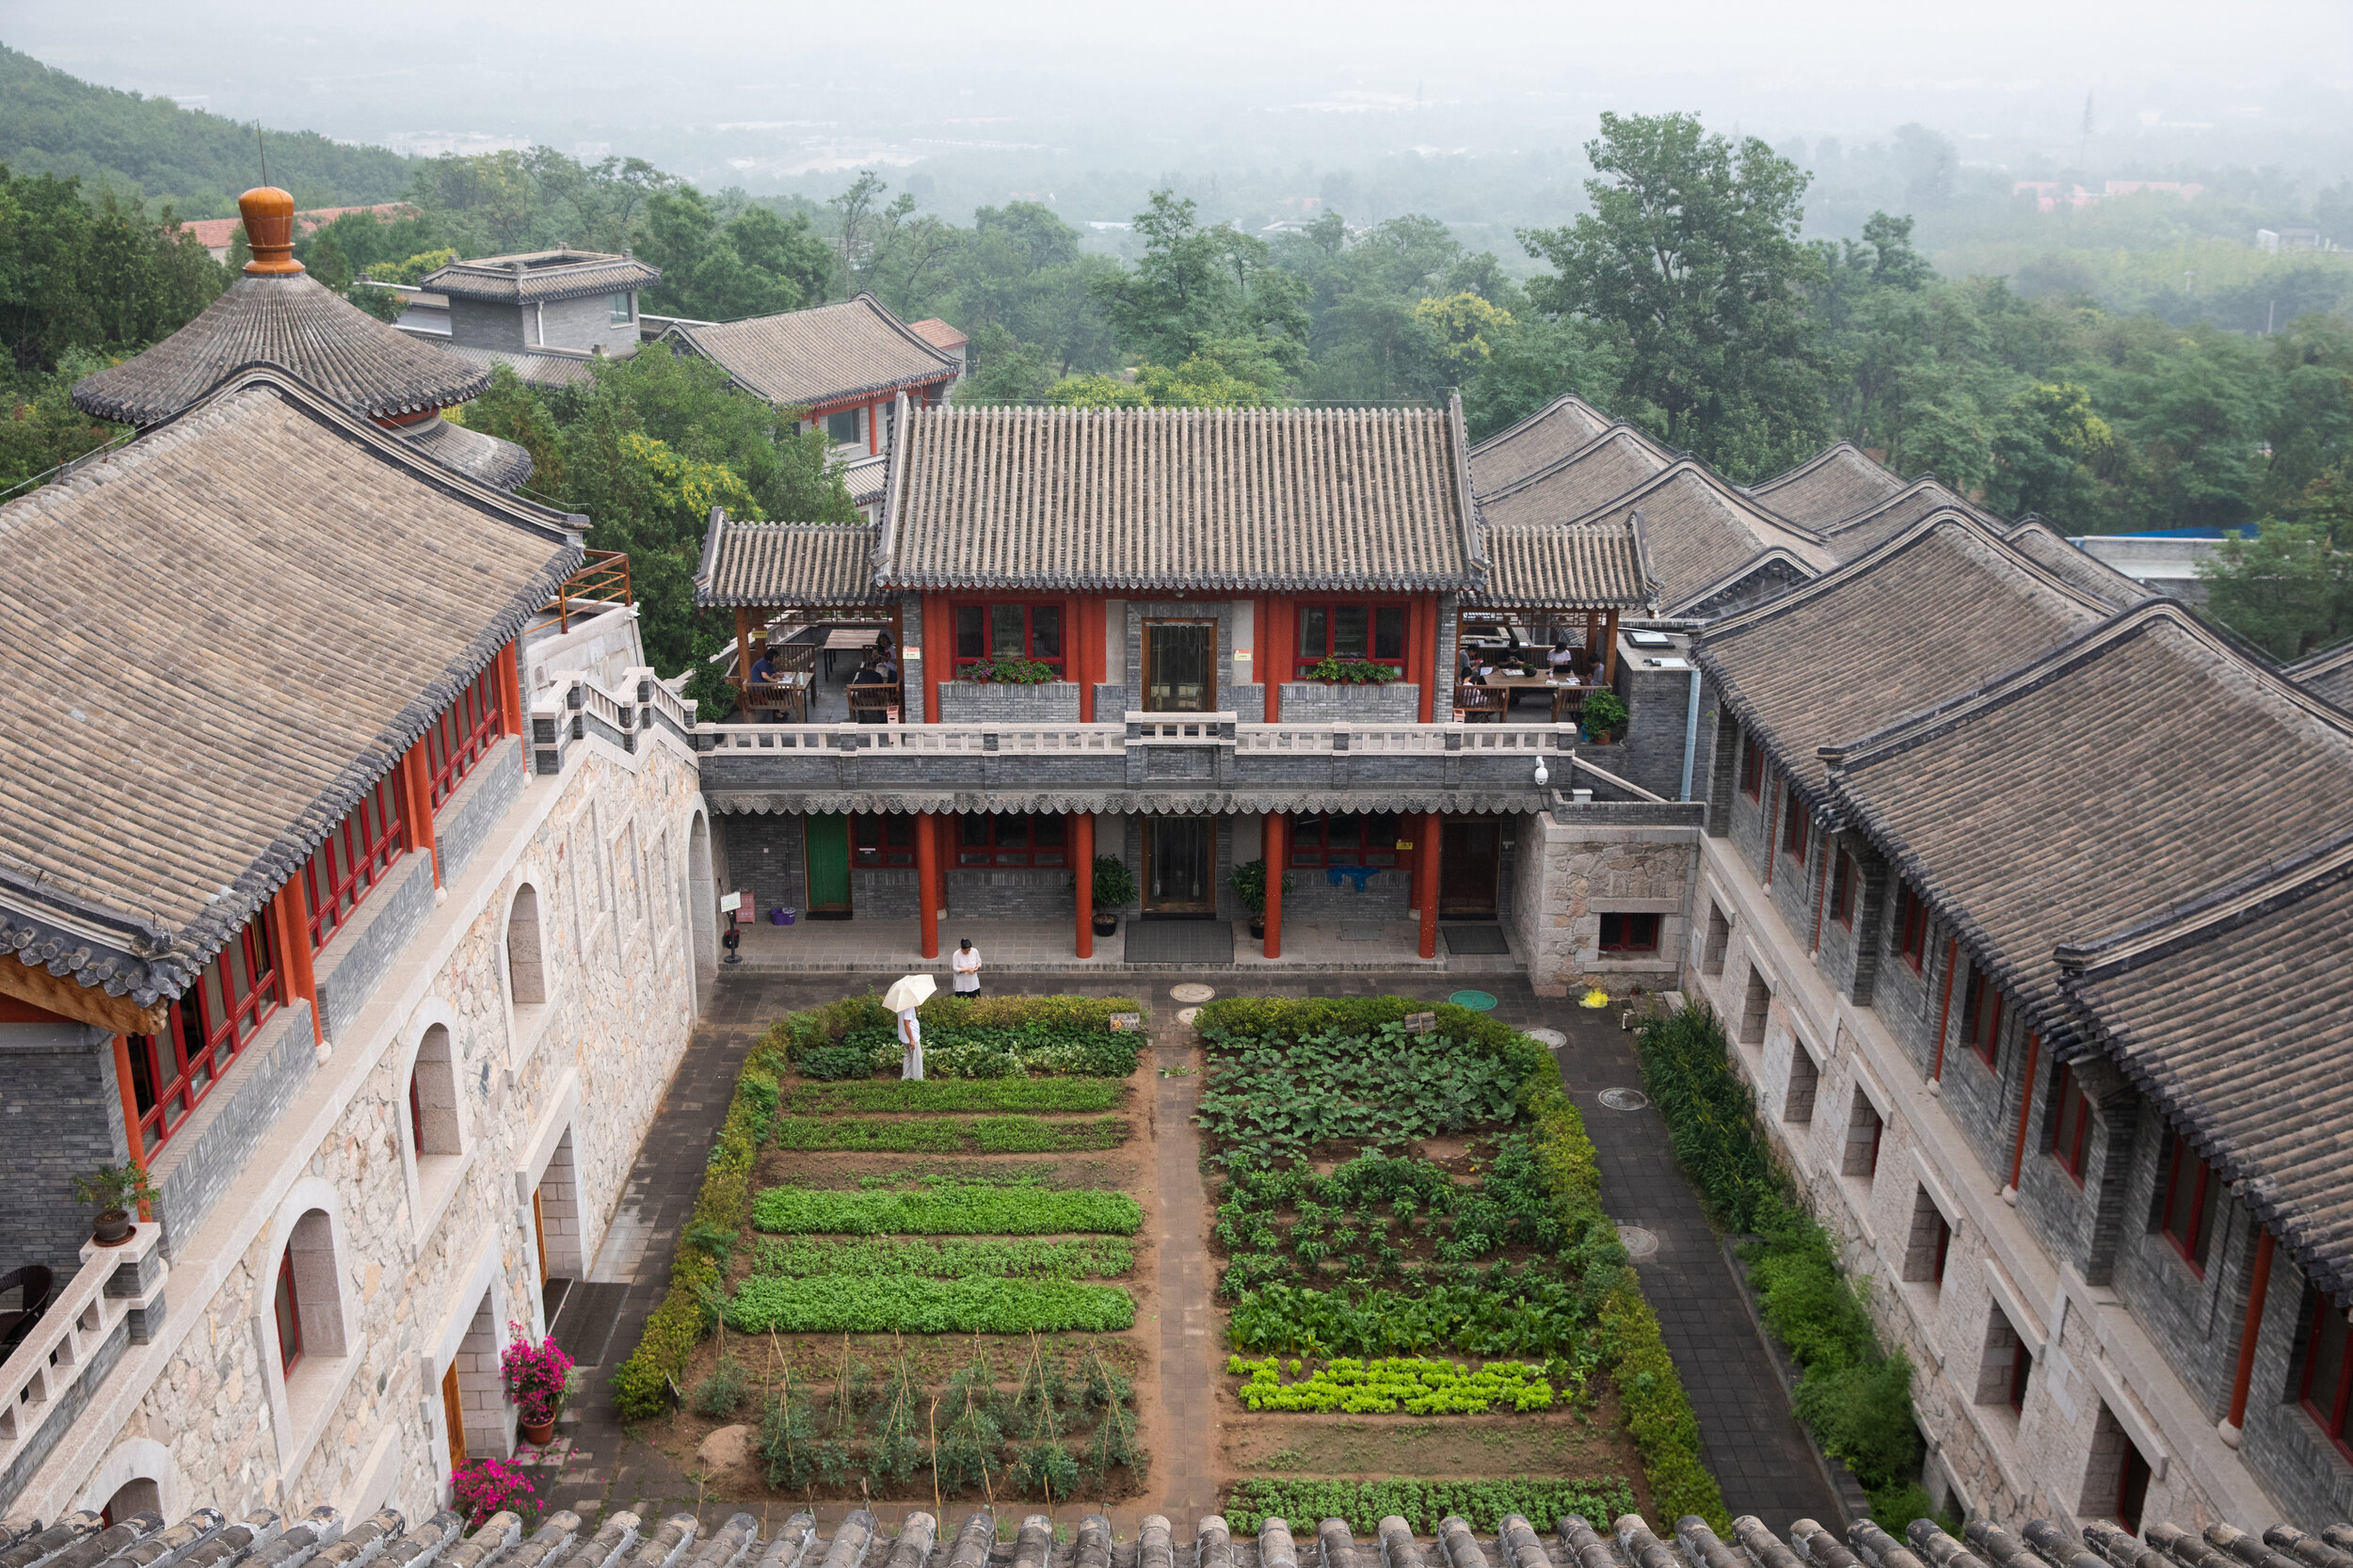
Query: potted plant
(1248, 880)
(1114, 889)
(539, 1374)
(1009, 669)
(116, 1190)
(1351, 672)
(1604, 716)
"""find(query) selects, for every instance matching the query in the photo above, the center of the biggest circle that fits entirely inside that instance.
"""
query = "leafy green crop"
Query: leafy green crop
(1505, 1314)
(845, 1304)
(948, 1209)
(1423, 1503)
(949, 1135)
(956, 1257)
(1417, 1384)
(1276, 1098)
(957, 1093)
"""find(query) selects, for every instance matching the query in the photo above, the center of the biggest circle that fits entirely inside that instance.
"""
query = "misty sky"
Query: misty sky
(773, 97)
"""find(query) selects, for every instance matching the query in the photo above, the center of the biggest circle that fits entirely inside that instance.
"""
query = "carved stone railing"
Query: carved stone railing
(45, 1383)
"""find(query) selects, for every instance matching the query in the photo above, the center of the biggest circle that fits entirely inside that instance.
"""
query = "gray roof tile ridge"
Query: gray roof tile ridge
(2169, 928)
(1618, 431)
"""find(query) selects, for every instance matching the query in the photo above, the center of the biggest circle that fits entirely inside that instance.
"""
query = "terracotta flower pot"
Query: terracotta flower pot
(539, 1437)
(112, 1227)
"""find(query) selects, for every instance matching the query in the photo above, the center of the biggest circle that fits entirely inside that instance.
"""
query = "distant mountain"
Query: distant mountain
(55, 123)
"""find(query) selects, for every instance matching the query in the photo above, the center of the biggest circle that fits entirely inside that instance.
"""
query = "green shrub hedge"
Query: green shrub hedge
(1854, 1397)
(1658, 1413)
(988, 1037)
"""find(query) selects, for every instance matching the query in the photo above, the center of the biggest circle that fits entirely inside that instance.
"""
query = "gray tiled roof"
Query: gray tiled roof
(495, 462)
(1835, 483)
(1245, 500)
(2235, 1013)
(2329, 673)
(1544, 436)
(1574, 487)
(293, 321)
(1699, 533)
(217, 636)
(1933, 613)
(542, 369)
(787, 563)
(541, 277)
(867, 477)
(1576, 565)
(1873, 526)
(2050, 550)
(2002, 806)
(806, 358)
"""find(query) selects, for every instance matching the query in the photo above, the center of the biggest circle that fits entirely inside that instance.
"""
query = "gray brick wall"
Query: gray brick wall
(481, 324)
(586, 325)
(205, 1156)
(987, 702)
(2195, 1321)
(1317, 703)
(60, 1117)
(1006, 892)
(466, 819)
(2283, 1445)
(360, 955)
(761, 854)
(1651, 751)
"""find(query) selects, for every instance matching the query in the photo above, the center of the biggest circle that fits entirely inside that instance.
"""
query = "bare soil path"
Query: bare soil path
(1184, 1447)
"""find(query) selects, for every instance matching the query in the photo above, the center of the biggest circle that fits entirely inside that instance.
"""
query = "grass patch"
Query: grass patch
(957, 1093)
(1082, 1258)
(947, 1208)
(845, 1304)
(954, 1135)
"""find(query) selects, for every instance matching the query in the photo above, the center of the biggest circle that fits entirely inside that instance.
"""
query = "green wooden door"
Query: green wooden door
(827, 840)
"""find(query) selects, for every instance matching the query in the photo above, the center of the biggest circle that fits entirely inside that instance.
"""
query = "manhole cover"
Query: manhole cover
(1191, 991)
(1637, 1241)
(1625, 1100)
(1551, 1039)
(1186, 1015)
(1478, 1002)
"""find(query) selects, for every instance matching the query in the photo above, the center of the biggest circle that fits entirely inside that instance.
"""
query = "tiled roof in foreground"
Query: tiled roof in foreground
(1833, 483)
(806, 358)
(218, 636)
(1578, 566)
(786, 564)
(1544, 438)
(2049, 548)
(1232, 500)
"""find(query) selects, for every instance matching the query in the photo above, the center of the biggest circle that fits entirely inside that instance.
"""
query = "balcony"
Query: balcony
(115, 1299)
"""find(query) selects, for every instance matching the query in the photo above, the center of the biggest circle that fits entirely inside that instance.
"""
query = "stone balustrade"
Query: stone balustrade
(114, 1299)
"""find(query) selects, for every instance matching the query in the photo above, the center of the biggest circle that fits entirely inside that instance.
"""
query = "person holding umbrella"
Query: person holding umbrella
(905, 995)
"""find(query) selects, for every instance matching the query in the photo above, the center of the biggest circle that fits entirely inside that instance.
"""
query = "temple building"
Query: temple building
(843, 365)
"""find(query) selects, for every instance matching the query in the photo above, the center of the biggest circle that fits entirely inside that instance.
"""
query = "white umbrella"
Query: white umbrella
(909, 991)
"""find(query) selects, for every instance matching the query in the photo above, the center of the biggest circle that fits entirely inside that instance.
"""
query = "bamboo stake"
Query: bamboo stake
(938, 1510)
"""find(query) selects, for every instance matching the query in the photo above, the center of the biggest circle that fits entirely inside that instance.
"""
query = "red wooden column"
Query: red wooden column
(1426, 852)
(1082, 659)
(1272, 843)
(927, 884)
(939, 648)
(2235, 1422)
(415, 789)
(2025, 1114)
(290, 917)
(1083, 863)
(511, 703)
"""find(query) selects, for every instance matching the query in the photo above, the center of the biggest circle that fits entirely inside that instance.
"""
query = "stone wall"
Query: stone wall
(1578, 861)
(995, 702)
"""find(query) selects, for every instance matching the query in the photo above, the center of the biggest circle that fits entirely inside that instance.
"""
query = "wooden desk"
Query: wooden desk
(840, 639)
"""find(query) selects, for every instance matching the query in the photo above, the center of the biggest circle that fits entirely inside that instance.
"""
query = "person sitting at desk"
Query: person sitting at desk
(867, 675)
(883, 666)
(1563, 658)
(764, 668)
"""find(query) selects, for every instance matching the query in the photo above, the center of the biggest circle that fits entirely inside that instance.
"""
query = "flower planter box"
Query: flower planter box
(1323, 702)
(995, 702)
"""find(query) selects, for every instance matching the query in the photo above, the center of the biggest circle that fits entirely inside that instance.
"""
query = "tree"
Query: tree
(1690, 267)
(755, 265)
(2289, 589)
(1200, 290)
(2048, 449)
(92, 274)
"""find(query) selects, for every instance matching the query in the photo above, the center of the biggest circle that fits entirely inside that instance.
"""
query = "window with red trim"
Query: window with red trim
(203, 1032)
(289, 1311)
(2071, 1127)
(2328, 1387)
(1797, 822)
(1370, 632)
(1009, 839)
(1625, 933)
(1842, 883)
(1982, 1017)
(1009, 631)
(462, 734)
(352, 860)
(1351, 839)
(1751, 770)
(2132, 1488)
(882, 838)
(416, 1114)
(1912, 925)
(2185, 1212)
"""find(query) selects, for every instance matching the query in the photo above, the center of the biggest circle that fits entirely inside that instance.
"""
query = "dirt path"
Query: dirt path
(1184, 1444)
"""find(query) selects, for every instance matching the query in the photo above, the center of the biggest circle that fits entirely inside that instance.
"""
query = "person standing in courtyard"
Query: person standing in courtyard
(905, 995)
(967, 964)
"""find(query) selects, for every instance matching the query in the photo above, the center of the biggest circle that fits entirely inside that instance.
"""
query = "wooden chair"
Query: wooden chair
(1568, 703)
(873, 702)
(1477, 704)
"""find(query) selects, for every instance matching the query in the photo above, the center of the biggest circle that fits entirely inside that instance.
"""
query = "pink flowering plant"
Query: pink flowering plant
(485, 1486)
(538, 1373)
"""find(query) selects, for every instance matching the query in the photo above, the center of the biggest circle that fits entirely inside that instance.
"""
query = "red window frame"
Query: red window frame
(1751, 770)
(2327, 1389)
(461, 734)
(2186, 1211)
(1319, 633)
(204, 1030)
(1842, 881)
(2070, 1127)
(2132, 1488)
(352, 860)
(1327, 839)
(991, 839)
(416, 1114)
(1797, 822)
(1982, 1017)
(1622, 932)
(977, 627)
(882, 838)
(287, 1306)
(1911, 926)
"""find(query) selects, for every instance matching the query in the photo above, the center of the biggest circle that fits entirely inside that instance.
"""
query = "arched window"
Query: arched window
(306, 1297)
(526, 970)
(433, 1097)
(286, 1306)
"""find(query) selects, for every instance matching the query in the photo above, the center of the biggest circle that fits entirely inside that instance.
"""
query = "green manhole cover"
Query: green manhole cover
(1478, 1002)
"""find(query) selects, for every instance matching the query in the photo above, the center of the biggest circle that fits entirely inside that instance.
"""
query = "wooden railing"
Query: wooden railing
(602, 581)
